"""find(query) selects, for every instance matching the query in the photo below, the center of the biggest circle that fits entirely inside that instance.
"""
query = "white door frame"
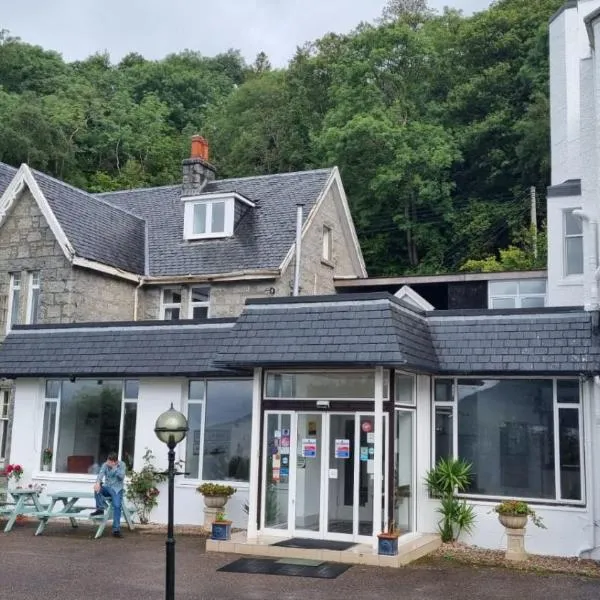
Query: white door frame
(322, 533)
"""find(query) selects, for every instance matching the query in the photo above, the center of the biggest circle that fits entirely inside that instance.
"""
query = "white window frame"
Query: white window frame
(519, 296)
(14, 286)
(4, 408)
(571, 236)
(192, 304)
(327, 250)
(57, 402)
(33, 284)
(191, 480)
(558, 500)
(164, 306)
(188, 228)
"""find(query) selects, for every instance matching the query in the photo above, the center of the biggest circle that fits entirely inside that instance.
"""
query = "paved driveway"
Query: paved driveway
(67, 565)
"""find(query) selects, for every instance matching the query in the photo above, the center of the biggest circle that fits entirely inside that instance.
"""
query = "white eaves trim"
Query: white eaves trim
(334, 177)
(411, 297)
(211, 197)
(24, 177)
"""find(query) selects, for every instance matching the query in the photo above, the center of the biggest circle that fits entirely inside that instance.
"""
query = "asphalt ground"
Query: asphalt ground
(66, 564)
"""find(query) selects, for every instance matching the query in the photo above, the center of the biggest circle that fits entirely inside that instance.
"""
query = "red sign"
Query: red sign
(367, 426)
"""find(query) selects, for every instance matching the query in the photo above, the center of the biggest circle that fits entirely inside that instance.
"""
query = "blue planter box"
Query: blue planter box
(387, 545)
(221, 531)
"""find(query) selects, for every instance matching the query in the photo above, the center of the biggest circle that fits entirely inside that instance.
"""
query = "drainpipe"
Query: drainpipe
(299, 207)
(593, 259)
(136, 297)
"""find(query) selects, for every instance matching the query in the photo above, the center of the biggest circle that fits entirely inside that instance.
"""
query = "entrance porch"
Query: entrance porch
(410, 548)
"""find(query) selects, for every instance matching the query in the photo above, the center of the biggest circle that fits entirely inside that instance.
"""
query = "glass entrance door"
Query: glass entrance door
(318, 475)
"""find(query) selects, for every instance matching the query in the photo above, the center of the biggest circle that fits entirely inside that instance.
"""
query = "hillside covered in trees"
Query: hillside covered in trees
(439, 123)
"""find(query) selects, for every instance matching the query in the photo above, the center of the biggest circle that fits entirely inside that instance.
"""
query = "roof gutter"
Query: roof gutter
(247, 275)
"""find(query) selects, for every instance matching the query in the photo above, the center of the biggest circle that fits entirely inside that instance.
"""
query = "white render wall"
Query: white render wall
(570, 531)
(155, 396)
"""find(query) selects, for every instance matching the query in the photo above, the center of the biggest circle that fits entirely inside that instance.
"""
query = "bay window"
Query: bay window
(522, 436)
(219, 414)
(84, 421)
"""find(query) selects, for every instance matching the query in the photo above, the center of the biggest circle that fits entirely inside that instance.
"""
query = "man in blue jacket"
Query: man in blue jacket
(109, 484)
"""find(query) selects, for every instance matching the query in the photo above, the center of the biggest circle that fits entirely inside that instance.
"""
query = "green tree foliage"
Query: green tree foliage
(438, 123)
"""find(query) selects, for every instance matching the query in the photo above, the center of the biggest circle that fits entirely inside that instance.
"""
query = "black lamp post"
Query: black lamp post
(171, 428)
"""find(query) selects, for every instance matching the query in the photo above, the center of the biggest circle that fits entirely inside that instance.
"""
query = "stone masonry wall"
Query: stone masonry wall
(99, 297)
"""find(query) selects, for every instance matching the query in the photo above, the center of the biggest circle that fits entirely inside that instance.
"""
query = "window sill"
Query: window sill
(328, 263)
(573, 506)
(571, 281)
(194, 483)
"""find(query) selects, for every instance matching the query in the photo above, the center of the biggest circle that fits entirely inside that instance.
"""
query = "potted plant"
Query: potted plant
(47, 459)
(215, 494)
(387, 544)
(513, 514)
(449, 477)
(221, 528)
(14, 473)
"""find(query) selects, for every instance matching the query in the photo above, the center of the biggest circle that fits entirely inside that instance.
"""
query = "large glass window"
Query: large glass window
(506, 429)
(84, 421)
(220, 420)
(351, 385)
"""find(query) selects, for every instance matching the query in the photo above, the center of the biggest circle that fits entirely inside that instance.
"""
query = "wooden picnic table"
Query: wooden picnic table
(27, 502)
(70, 511)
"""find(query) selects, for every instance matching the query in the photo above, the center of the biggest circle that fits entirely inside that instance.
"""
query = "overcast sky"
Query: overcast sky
(154, 28)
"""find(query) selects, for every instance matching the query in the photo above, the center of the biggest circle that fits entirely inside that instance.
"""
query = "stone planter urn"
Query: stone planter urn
(513, 521)
(515, 536)
(216, 496)
(215, 501)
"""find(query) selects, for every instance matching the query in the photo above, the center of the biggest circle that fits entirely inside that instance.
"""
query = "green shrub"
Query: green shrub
(444, 481)
(215, 489)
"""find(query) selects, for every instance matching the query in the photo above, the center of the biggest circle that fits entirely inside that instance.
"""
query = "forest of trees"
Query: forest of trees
(439, 124)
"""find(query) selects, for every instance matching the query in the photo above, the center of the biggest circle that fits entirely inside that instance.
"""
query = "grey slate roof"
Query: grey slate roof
(6, 174)
(113, 349)
(544, 342)
(344, 331)
(373, 330)
(262, 238)
(97, 230)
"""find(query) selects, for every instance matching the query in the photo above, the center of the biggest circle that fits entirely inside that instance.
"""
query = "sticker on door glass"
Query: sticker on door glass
(285, 461)
(277, 433)
(309, 448)
(285, 433)
(284, 450)
(275, 474)
(367, 426)
(285, 441)
(342, 448)
(371, 437)
(364, 453)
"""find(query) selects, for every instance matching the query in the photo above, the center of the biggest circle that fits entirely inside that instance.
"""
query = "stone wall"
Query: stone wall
(28, 244)
(99, 297)
(316, 273)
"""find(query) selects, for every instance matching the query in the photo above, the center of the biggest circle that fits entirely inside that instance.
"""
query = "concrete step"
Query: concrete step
(410, 547)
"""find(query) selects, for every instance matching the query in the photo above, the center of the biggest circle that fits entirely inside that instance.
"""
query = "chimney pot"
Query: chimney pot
(199, 148)
(197, 171)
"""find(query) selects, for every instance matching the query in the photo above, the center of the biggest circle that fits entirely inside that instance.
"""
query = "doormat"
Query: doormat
(315, 544)
(289, 568)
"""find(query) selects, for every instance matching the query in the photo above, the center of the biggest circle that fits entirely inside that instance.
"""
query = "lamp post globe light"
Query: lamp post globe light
(170, 429)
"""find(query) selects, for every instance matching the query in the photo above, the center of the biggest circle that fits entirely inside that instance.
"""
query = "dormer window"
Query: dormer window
(211, 215)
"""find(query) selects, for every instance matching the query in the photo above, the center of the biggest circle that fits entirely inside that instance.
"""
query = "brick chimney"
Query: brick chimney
(197, 171)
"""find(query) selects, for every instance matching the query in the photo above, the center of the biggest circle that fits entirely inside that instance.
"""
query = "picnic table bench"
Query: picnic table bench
(27, 503)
